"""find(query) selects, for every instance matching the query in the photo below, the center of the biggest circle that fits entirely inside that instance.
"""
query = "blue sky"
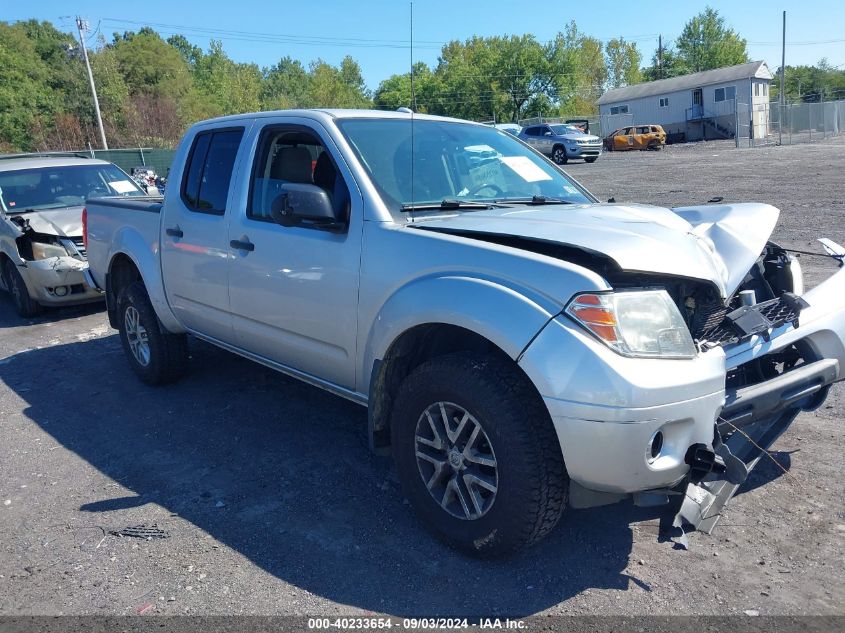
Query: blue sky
(376, 32)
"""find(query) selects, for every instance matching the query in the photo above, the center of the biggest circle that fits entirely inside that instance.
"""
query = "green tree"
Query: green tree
(667, 64)
(707, 43)
(285, 85)
(623, 61)
(330, 87)
(151, 66)
(231, 87)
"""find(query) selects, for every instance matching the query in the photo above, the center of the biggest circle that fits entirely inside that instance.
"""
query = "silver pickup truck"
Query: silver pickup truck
(520, 346)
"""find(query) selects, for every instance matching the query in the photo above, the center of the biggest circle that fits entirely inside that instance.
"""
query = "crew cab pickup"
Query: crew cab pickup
(520, 346)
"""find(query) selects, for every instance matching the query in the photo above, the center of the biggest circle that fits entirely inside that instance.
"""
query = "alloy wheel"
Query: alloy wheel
(136, 335)
(456, 461)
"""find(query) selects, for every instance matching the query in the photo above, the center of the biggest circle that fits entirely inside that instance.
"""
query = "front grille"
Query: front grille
(80, 246)
(718, 326)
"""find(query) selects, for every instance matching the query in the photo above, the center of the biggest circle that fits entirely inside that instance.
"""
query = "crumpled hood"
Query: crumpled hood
(717, 243)
(60, 222)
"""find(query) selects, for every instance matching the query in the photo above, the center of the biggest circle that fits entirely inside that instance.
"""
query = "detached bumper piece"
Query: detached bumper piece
(746, 321)
(753, 418)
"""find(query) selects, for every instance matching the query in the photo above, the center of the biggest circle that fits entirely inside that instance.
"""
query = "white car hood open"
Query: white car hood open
(717, 243)
(60, 222)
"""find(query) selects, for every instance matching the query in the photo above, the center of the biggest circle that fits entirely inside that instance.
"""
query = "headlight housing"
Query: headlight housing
(42, 250)
(638, 323)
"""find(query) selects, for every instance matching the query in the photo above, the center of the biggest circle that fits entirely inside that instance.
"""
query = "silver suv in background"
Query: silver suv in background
(562, 142)
(42, 254)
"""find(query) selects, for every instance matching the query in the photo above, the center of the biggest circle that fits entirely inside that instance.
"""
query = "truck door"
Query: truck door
(195, 241)
(294, 290)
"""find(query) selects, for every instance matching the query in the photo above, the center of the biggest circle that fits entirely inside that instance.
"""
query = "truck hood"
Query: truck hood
(716, 243)
(60, 222)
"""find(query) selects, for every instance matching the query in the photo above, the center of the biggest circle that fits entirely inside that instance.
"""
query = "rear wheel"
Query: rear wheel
(559, 155)
(477, 454)
(155, 355)
(26, 306)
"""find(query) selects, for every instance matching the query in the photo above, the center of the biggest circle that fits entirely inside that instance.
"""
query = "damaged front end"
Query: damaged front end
(782, 355)
(52, 266)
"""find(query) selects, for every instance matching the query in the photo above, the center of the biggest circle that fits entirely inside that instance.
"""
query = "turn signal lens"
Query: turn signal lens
(641, 323)
(596, 314)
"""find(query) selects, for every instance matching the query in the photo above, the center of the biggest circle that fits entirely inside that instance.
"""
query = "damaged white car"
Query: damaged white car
(42, 255)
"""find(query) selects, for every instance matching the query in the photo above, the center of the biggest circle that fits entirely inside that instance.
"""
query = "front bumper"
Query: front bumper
(583, 151)
(58, 281)
(606, 408)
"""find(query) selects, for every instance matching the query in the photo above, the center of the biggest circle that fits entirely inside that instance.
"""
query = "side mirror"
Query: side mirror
(302, 204)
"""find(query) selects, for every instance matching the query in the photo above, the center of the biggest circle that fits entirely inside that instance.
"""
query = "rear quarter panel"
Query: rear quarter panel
(130, 228)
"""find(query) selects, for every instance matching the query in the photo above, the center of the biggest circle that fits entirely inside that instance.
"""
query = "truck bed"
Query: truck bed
(131, 225)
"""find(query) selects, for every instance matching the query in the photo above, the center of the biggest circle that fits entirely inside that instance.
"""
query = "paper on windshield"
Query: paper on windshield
(122, 186)
(524, 168)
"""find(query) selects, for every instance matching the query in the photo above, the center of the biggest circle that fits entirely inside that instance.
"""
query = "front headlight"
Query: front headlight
(42, 250)
(641, 323)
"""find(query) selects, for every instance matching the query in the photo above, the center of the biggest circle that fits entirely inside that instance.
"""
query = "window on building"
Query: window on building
(765, 90)
(623, 109)
(756, 90)
(725, 94)
(664, 102)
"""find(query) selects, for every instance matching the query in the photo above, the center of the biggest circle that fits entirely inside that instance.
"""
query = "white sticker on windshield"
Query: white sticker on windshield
(123, 186)
(523, 166)
(570, 189)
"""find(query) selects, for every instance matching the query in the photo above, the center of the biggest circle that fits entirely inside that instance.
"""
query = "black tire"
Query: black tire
(531, 480)
(167, 357)
(590, 160)
(26, 306)
(559, 155)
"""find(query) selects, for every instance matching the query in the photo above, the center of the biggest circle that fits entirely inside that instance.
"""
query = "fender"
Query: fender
(130, 243)
(503, 315)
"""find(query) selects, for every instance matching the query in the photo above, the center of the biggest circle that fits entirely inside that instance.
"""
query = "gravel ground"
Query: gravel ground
(271, 503)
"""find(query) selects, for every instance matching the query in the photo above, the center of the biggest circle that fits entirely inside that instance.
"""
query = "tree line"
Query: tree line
(151, 88)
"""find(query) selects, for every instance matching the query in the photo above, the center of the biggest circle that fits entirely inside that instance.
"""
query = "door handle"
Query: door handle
(175, 232)
(242, 246)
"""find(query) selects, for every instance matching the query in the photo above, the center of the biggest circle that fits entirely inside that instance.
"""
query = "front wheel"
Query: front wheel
(477, 455)
(559, 155)
(26, 306)
(155, 355)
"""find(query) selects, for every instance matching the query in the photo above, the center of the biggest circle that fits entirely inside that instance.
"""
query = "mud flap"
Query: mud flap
(704, 501)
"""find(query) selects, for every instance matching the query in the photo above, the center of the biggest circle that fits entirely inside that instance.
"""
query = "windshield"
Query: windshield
(62, 186)
(565, 129)
(453, 161)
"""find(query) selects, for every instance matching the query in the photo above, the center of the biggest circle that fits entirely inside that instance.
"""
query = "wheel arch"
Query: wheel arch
(124, 269)
(408, 351)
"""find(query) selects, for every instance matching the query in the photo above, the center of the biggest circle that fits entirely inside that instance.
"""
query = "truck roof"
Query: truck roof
(330, 113)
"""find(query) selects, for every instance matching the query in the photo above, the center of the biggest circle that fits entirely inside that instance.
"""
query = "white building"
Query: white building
(707, 105)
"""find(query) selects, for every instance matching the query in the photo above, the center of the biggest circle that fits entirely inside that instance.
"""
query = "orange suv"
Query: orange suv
(636, 137)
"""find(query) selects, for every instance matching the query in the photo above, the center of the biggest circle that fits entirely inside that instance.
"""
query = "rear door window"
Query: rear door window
(209, 171)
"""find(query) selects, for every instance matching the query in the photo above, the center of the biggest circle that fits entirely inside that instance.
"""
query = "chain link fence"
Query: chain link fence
(793, 123)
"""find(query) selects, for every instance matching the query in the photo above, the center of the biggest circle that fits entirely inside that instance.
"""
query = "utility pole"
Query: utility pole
(782, 99)
(81, 26)
(660, 57)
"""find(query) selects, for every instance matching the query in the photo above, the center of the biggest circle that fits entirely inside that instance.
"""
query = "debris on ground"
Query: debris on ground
(144, 531)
